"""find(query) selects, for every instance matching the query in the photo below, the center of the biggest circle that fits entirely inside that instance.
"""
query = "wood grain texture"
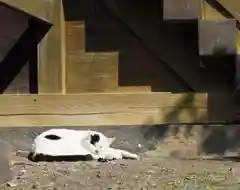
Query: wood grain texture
(75, 36)
(91, 72)
(87, 72)
(131, 89)
(50, 52)
(102, 109)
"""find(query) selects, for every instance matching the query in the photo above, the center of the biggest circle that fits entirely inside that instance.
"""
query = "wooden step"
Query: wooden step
(75, 35)
(91, 72)
(181, 9)
(211, 12)
(217, 38)
(132, 89)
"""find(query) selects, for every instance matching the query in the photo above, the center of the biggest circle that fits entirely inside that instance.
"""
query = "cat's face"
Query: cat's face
(99, 142)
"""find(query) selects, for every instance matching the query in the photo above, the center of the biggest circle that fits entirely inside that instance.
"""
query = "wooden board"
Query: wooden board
(75, 36)
(102, 109)
(51, 53)
(131, 89)
(209, 12)
(91, 72)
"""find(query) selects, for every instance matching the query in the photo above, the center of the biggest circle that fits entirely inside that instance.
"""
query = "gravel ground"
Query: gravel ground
(160, 166)
(152, 172)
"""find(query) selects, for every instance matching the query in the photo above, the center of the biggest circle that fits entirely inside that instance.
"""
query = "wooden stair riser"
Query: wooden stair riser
(91, 72)
(217, 37)
(181, 9)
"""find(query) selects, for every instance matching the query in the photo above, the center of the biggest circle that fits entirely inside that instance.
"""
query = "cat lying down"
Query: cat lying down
(67, 144)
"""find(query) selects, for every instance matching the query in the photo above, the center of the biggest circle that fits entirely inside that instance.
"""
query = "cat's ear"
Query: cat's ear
(111, 140)
(89, 134)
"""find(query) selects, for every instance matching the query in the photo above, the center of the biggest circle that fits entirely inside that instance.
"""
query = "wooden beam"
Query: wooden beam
(232, 7)
(102, 109)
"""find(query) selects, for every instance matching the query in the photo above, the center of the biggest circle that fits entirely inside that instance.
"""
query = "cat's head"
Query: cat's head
(100, 141)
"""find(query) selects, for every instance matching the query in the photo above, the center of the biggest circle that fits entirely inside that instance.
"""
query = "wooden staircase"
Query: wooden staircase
(90, 71)
(115, 46)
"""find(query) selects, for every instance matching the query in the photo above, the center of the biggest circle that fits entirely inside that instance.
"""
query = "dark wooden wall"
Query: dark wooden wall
(13, 25)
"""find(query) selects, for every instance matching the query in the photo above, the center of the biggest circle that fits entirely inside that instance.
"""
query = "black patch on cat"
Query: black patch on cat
(52, 137)
(49, 158)
(94, 139)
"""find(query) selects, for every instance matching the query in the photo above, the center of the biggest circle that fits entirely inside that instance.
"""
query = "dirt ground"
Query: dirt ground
(159, 168)
(152, 172)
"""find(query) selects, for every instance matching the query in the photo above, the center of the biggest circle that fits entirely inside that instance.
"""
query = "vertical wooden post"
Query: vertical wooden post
(51, 58)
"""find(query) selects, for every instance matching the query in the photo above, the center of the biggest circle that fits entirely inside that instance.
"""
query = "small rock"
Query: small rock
(99, 175)
(12, 184)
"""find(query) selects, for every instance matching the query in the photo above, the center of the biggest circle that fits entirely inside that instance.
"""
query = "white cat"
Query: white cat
(67, 142)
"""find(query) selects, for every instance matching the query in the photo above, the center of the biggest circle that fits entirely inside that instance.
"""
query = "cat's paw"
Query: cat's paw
(134, 157)
(138, 157)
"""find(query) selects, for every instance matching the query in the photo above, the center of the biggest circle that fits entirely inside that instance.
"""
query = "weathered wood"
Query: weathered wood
(181, 9)
(75, 36)
(211, 12)
(63, 49)
(131, 89)
(165, 42)
(217, 37)
(91, 72)
(51, 58)
(35, 8)
(102, 109)
(231, 6)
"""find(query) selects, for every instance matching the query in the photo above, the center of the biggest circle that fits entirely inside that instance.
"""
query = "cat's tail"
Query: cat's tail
(128, 155)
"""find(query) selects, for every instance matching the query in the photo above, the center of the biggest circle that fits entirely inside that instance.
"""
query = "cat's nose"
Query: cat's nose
(96, 151)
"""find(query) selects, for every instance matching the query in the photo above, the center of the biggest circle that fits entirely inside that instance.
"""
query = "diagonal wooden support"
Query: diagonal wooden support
(163, 41)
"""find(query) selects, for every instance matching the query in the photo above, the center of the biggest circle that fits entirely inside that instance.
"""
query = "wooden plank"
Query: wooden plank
(181, 9)
(131, 89)
(217, 37)
(75, 36)
(82, 77)
(209, 12)
(102, 109)
(50, 53)
(63, 49)
(91, 72)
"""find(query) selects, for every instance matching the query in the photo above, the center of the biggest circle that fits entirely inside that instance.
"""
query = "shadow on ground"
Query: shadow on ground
(208, 139)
